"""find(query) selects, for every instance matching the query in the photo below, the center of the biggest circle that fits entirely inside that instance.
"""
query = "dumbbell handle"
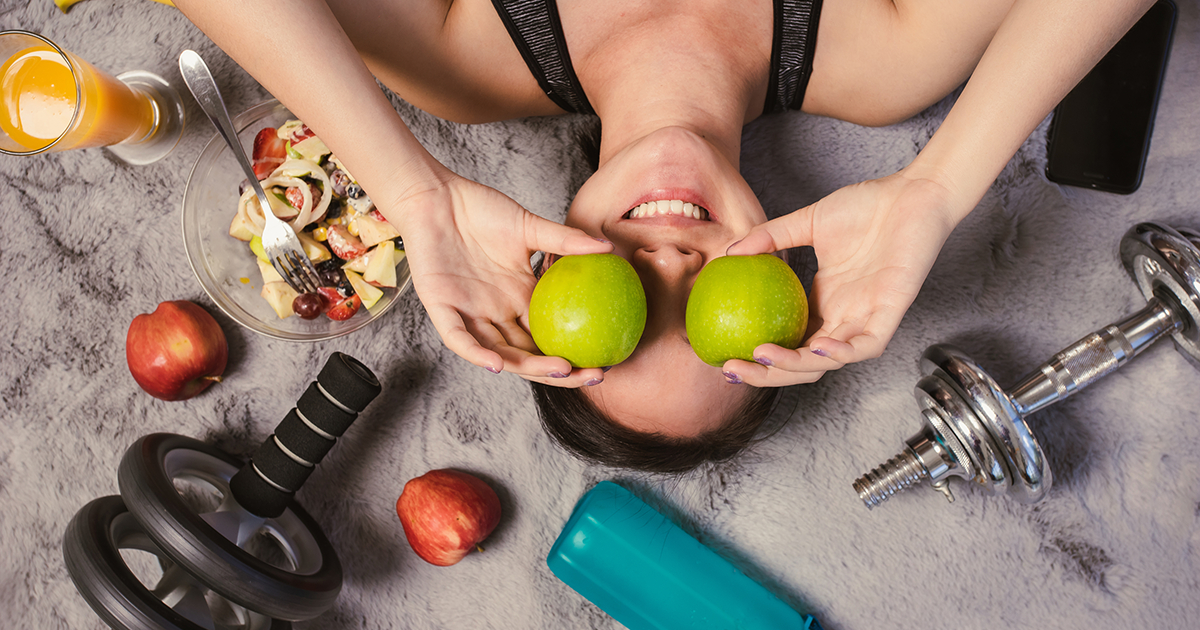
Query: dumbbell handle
(265, 486)
(1094, 357)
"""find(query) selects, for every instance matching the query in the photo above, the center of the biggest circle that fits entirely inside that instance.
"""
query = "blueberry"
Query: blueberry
(328, 265)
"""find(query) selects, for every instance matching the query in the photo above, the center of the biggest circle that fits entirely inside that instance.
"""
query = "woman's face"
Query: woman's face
(669, 202)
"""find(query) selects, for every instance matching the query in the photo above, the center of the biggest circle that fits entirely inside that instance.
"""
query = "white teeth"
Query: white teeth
(673, 207)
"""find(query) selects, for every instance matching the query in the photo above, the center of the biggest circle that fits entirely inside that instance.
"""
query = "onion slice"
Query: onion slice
(290, 171)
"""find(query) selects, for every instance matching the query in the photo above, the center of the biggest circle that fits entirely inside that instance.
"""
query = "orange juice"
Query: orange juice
(39, 103)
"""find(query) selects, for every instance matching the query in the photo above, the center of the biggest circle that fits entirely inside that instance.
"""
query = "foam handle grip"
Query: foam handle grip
(279, 467)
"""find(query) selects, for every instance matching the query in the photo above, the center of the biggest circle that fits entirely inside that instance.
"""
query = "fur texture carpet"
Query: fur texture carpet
(90, 242)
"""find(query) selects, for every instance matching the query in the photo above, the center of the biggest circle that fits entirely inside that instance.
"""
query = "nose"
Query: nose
(667, 273)
(667, 266)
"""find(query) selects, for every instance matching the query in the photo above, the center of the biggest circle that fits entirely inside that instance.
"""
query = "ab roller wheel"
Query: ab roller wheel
(236, 550)
(212, 546)
(976, 430)
(93, 549)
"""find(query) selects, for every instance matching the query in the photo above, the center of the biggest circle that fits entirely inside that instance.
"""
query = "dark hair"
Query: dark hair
(580, 427)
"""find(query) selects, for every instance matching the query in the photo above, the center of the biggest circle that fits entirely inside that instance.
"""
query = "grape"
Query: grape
(339, 180)
(307, 305)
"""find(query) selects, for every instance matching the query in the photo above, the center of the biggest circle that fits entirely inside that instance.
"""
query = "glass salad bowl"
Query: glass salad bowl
(225, 266)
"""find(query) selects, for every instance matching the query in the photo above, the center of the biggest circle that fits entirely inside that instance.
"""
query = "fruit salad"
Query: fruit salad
(354, 249)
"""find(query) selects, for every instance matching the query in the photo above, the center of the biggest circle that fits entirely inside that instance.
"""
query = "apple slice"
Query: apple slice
(315, 251)
(310, 148)
(280, 296)
(381, 268)
(268, 272)
(358, 264)
(369, 294)
(372, 231)
(242, 228)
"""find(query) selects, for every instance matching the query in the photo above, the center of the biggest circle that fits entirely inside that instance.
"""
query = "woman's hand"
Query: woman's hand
(469, 247)
(875, 242)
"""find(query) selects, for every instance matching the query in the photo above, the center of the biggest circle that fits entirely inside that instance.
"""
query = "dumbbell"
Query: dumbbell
(975, 430)
(256, 560)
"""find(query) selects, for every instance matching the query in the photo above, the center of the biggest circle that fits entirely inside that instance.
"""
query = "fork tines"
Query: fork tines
(298, 271)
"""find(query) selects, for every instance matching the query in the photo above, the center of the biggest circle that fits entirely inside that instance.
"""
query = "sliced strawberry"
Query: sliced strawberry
(269, 152)
(300, 133)
(296, 197)
(344, 244)
(345, 309)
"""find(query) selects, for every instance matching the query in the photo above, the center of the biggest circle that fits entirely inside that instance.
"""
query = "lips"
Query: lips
(668, 208)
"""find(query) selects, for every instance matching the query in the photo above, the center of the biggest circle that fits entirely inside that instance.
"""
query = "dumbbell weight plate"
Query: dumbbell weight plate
(1029, 471)
(1165, 261)
(92, 551)
(306, 588)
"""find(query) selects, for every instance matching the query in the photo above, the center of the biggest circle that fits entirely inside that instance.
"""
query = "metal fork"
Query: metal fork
(279, 240)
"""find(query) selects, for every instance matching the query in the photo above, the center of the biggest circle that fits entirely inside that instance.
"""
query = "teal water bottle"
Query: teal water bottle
(648, 574)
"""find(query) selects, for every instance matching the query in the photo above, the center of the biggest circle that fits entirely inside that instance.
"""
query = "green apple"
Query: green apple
(740, 302)
(589, 309)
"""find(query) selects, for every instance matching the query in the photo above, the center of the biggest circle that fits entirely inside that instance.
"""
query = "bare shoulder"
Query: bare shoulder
(452, 58)
(881, 61)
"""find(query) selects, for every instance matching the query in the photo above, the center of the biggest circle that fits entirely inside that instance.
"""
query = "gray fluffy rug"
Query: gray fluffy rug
(89, 243)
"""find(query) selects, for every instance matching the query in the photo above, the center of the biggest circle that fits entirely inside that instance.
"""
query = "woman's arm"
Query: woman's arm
(468, 245)
(297, 50)
(876, 241)
(1042, 49)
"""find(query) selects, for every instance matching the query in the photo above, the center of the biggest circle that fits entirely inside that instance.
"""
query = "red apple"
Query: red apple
(446, 514)
(177, 351)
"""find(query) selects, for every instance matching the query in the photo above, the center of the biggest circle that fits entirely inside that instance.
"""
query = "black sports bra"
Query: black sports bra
(535, 28)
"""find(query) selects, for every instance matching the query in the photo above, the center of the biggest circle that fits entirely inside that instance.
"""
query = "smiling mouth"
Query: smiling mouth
(667, 208)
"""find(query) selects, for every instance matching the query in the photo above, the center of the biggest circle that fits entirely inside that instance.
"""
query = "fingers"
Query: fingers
(460, 341)
(791, 230)
(510, 344)
(579, 377)
(549, 236)
(851, 342)
(775, 366)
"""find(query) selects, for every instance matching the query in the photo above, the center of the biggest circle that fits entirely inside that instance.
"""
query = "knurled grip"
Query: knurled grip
(279, 467)
(1087, 361)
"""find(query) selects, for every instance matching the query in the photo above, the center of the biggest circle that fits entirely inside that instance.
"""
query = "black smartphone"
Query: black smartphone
(1100, 133)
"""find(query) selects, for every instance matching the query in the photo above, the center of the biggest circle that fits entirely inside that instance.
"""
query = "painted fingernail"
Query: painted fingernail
(819, 352)
(732, 378)
(764, 361)
(557, 375)
(606, 368)
(491, 369)
(594, 381)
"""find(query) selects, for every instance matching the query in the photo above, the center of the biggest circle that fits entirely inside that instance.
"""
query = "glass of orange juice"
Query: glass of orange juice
(51, 100)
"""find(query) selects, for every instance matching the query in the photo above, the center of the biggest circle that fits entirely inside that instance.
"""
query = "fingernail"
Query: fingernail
(733, 379)
(557, 375)
(732, 246)
(819, 352)
(603, 240)
(594, 381)
(606, 368)
(764, 361)
(491, 369)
